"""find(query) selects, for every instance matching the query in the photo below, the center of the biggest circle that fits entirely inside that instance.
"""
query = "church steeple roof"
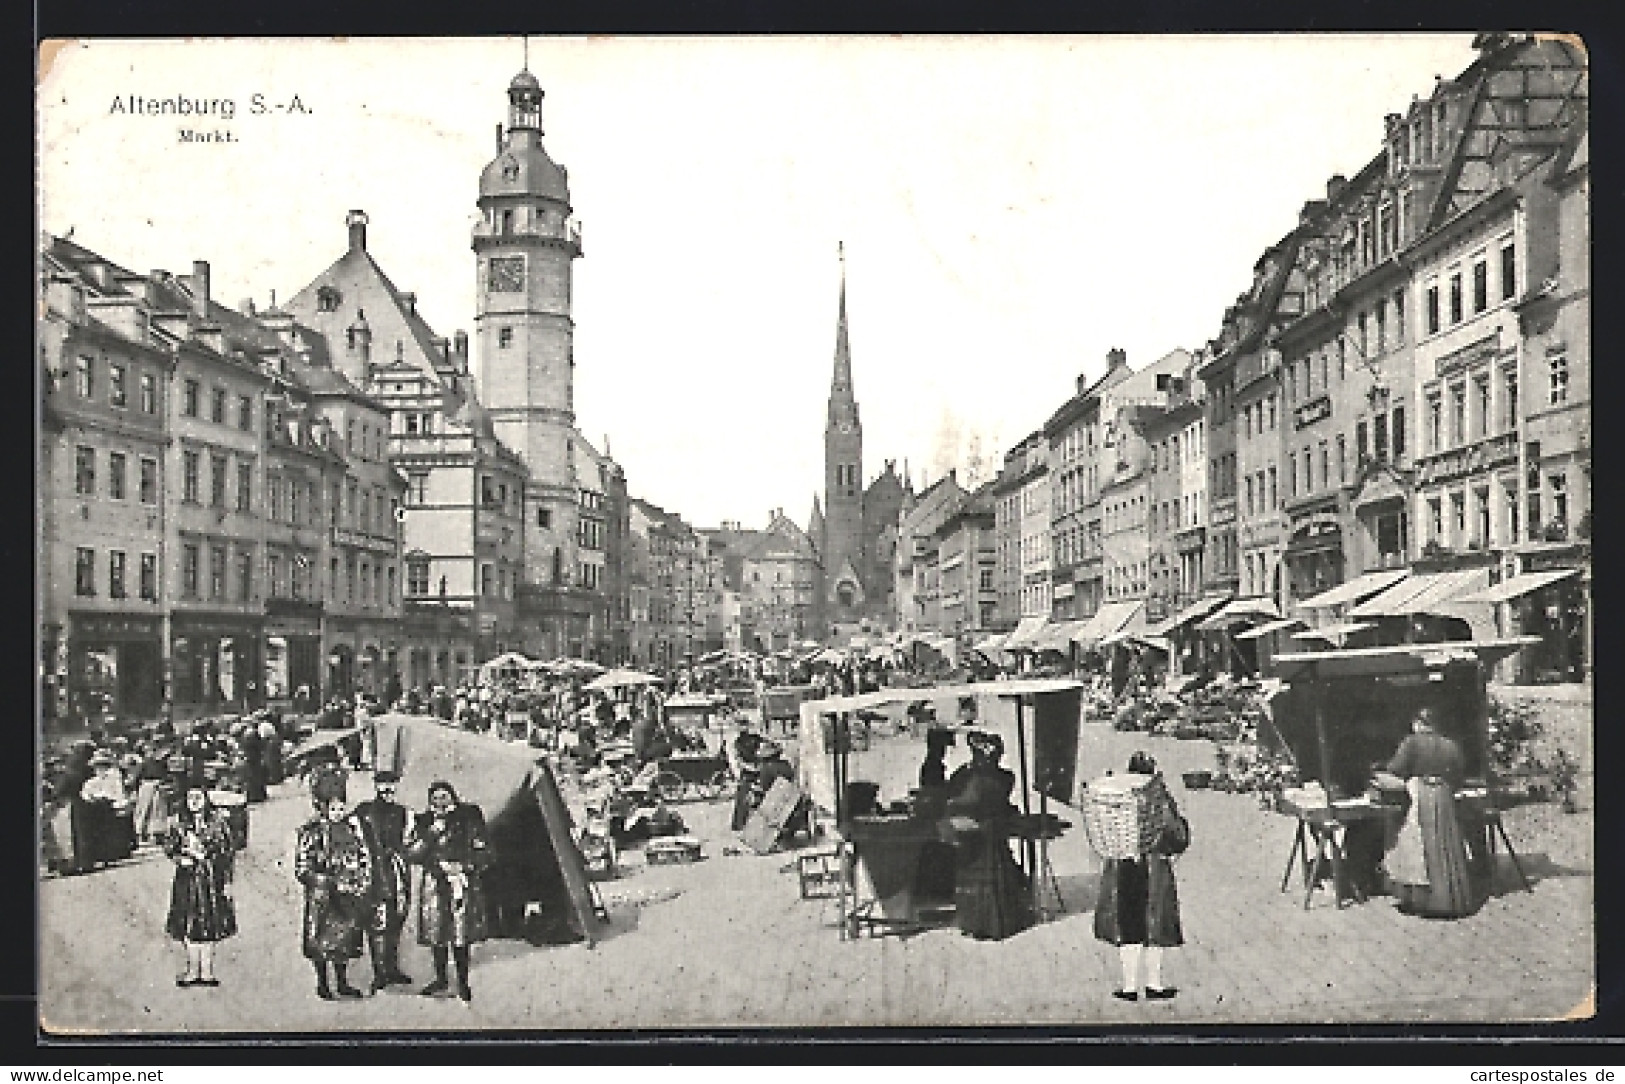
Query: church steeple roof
(842, 399)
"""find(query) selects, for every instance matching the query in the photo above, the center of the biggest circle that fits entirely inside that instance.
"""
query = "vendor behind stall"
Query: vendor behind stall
(991, 892)
(1429, 863)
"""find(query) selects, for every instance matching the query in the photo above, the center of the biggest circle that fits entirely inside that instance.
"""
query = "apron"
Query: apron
(1406, 863)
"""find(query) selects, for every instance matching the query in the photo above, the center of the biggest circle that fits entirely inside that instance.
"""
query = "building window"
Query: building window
(149, 576)
(327, 299)
(417, 487)
(1274, 495)
(84, 571)
(1481, 405)
(245, 487)
(245, 413)
(1360, 446)
(504, 338)
(1379, 438)
(85, 373)
(149, 481)
(1558, 483)
(217, 571)
(1435, 422)
(1399, 433)
(1481, 501)
(1458, 516)
(1325, 465)
(1433, 310)
(217, 406)
(417, 577)
(190, 391)
(115, 475)
(217, 481)
(1557, 380)
(1455, 298)
(1509, 270)
(149, 393)
(1509, 400)
(1458, 414)
(118, 391)
(1399, 317)
(487, 581)
(1365, 345)
(190, 557)
(1509, 501)
(245, 575)
(1481, 286)
(1270, 402)
(115, 574)
(1435, 520)
(390, 600)
(1342, 459)
(84, 471)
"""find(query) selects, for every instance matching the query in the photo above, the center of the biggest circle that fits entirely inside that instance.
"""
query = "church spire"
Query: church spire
(843, 402)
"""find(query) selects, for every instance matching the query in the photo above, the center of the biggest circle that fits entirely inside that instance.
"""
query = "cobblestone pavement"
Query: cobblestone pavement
(727, 942)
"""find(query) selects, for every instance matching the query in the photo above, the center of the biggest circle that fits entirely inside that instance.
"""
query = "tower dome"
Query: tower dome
(522, 167)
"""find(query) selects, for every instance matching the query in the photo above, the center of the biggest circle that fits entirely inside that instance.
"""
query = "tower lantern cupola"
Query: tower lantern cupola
(525, 103)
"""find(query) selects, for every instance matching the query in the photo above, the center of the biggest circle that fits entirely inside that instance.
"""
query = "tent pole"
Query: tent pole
(1026, 802)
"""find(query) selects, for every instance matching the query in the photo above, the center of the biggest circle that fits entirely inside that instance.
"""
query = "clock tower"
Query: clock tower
(524, 245)
(842, 545)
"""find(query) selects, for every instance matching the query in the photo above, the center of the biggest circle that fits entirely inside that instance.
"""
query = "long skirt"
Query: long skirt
(990, 891)
(1138, 903)
(1429, 863)
(451, 911)
(333, 925)
(199, 908)
(151, 810)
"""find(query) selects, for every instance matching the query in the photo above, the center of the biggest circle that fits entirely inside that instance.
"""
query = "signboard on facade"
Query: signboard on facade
(1486, 455)
(1222, 515)
(1311, 412)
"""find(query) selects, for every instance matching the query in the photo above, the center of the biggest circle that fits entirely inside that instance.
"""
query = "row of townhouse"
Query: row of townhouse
(1402, 392)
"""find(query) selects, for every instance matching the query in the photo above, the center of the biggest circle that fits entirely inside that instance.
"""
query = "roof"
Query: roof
(524, 169)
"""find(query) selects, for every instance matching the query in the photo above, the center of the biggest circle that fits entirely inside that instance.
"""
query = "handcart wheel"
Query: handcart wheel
(669, 785)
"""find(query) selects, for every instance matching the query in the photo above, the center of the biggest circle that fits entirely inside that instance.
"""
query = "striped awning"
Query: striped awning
(1355, 590)
(1107, 620)
(1334, 634)
(1264, 630)
(1424, 594)
(1026, 633)
(1518, 586)
(1239, 610)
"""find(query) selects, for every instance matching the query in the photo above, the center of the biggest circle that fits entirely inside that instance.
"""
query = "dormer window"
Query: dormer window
(327, 299)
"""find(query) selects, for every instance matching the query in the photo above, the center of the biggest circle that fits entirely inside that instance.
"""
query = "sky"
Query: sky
(1011, 209)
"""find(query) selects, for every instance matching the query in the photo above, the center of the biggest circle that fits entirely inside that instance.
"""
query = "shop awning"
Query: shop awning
(1264, 630)
(1026, 633)
(1111, 617)
(1518, 586)
(992, 643)
(1355, 590)
(1194, 612)
(1423, 594)
(1334, 634)
(1239, 610)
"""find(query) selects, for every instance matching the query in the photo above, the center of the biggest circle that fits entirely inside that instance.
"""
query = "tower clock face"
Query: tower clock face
(507, 275)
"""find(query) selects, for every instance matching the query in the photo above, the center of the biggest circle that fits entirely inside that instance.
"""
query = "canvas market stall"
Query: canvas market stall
(885, 822)
(537, 885)
(1342, 712)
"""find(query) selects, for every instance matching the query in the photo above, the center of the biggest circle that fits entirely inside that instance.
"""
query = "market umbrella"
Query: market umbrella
(615, 679)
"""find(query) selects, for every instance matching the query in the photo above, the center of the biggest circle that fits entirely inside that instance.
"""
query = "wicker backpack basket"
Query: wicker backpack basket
(1119, 815)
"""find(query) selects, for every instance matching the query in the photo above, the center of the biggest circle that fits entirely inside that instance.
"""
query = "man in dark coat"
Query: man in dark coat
(387, 825)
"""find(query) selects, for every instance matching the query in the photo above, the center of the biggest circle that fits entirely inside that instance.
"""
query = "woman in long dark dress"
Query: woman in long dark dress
(201, 912)
(1138, 906)
(1429, 863)
(990, 891)
(450, 844)
(332, 860)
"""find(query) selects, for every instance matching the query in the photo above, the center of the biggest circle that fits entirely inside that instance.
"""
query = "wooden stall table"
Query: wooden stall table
(1321, 836)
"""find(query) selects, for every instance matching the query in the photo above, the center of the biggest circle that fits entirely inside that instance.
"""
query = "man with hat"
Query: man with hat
(388, 827)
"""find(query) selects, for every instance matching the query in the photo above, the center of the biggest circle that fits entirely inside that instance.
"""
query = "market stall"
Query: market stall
(1343, 713)
(848, 776)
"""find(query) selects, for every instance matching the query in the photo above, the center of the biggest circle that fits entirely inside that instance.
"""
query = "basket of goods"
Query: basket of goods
(1119, 815)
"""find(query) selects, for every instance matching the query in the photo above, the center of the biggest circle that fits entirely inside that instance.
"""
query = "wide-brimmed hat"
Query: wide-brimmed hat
(386, 779)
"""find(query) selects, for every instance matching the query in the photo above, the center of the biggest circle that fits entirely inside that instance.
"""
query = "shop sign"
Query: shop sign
(1486, 455)
(114, 626)
(1311, 412)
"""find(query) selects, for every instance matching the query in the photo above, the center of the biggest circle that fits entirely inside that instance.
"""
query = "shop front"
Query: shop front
(217, 663)
(114, 668)
(1314, 555)
(293, 649)
(1549, 598)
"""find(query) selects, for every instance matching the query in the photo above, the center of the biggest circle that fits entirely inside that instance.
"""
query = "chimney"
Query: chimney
(246, 307)
(1335, 185)
(410, 300)
(199, 284)
(1116, 358)
(499, 137)
(459, 348)
(356, 222)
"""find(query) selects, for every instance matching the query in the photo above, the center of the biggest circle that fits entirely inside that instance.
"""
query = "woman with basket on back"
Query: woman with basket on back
(1135, 826)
